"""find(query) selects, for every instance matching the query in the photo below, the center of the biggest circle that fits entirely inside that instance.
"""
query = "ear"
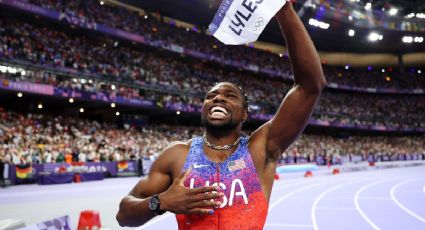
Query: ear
(244, 115)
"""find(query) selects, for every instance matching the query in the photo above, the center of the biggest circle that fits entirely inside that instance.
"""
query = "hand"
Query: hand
(181, 200)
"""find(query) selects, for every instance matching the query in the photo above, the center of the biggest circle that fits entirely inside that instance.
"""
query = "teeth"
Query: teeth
(219, 109)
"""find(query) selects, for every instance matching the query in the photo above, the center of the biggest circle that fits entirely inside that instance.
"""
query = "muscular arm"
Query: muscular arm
(134, 210)
(164, 179)
(296, 108)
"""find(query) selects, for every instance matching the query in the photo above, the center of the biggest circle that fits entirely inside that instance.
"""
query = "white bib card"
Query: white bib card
(242, 21)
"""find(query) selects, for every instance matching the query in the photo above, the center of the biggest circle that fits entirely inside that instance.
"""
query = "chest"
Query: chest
(236, 178)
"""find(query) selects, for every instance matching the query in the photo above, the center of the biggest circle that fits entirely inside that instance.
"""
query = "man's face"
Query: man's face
(223, 107)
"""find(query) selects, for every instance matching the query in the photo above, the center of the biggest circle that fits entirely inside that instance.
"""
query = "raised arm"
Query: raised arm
(297, 107)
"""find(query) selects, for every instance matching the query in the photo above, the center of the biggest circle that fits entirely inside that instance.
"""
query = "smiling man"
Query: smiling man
(222, 180)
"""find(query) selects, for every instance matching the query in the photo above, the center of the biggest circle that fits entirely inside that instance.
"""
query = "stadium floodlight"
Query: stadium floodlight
(40, 106)
(418, 39)
(146, 17)
(317, 23)
(12, 70)
(117, 113)
(81, 110)
(411, 15)
(375, 37)
(347, 67)
(407, 39)
(113, 105)
(368, 6)
(102, 3)
(383, 70)
(419, 71)
(411, 39)
(20, 94)
(420, 15)
(393, 11)
(351, 33)
(113, 87)
(178, 112)
(71, 100)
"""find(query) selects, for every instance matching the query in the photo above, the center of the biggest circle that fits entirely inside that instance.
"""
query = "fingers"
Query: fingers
(205, 189)
(183, 176)
(201, 211)
(205, 196)
(205, 204)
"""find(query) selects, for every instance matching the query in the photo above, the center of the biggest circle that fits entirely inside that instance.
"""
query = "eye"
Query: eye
(232, 95)
(210, 96)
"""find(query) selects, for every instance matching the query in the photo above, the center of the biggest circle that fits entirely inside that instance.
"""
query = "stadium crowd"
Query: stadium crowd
(186, 80)
(155, 29)
(38, 138)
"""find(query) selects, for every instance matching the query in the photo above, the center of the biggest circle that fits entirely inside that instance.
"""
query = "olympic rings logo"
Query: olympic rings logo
(258, 24)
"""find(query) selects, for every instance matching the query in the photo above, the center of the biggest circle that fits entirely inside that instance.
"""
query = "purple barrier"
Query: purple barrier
(91, 167)
(196, 54)
(27, 87)
(127, 166)
(120, 33)
(31, 8)
(55, 178)
(101, 96)
(91, 176)
(12, 173)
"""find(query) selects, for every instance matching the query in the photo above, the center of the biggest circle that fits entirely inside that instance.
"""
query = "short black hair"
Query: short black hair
(241, 91)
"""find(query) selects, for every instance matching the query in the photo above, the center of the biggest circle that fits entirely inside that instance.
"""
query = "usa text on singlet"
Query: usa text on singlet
(243, 205)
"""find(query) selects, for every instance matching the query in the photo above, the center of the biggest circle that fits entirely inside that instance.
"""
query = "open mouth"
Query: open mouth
(218, 112)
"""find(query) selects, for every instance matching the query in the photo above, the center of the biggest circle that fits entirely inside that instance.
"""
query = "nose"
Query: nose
(219, 98)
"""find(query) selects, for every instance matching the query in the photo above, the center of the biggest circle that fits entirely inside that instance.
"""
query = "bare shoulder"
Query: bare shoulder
(174, 149)
(172, 159)
(163, 171)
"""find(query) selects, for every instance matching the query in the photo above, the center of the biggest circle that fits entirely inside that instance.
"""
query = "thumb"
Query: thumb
(183, 176)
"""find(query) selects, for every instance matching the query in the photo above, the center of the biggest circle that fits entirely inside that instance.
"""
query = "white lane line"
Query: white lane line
(317, 200)
(424, 188)
(153, 221)
(410, 212)
(290, 225)
(374, 198)
(275, 203)
(359, 209)
(336, 209)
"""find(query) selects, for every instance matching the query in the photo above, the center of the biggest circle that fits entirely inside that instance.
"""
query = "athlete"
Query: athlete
(222, 180)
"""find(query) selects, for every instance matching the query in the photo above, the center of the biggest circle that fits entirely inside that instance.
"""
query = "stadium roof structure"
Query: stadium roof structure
(393, 19)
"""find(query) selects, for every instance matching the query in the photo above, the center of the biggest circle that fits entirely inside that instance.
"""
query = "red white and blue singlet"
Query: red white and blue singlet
(243, 205)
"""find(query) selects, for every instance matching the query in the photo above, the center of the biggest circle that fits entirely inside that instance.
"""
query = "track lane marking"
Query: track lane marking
(356, 201)
(275, 203)
(317, 200)
(399, 204)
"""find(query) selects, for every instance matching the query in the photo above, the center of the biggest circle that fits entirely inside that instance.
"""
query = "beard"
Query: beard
(219, 129)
